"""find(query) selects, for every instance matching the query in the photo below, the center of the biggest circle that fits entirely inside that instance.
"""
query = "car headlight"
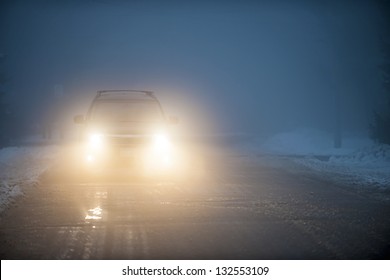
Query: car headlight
(161, 142)
(95, 140)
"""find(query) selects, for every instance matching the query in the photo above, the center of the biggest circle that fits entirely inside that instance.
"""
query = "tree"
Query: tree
(3, 108)
(5, 111)
(380, 127)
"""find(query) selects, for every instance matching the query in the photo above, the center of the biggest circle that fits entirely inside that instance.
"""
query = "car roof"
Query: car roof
(136, 95)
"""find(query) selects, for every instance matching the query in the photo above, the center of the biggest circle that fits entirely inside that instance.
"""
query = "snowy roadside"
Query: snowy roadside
(360, 162)
(20, 168)
(366, 167)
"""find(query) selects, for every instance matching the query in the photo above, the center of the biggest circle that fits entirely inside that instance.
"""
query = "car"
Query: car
(126, 128)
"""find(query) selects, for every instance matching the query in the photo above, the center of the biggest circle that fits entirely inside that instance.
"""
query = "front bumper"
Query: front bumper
(135, 152)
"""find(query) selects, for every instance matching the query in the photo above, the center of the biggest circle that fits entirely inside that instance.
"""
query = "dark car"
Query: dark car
(127, 127)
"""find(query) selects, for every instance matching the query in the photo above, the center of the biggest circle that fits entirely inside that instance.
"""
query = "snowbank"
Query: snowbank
(360, 161)
(21, 167)
(311, 142)
(368, 166)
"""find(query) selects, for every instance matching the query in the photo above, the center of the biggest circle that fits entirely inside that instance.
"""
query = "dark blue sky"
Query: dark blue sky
(233, 65)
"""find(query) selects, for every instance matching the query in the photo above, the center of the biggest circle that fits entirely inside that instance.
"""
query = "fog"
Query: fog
(220, 66)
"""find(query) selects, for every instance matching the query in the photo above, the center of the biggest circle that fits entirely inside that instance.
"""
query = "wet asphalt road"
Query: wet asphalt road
(239, 208)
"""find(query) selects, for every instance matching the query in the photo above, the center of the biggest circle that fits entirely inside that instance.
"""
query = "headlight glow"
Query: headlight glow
(95, 140)
(161, 142)
(90, 158)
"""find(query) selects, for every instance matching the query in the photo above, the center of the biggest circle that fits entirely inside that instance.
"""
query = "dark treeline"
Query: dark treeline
(380, 128)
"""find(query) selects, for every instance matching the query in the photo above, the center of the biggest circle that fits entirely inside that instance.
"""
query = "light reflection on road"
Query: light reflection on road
(94, 214)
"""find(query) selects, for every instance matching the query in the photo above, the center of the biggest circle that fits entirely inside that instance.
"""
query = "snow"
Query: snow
(306, 141)
(20, 168)
(359, 161)
(368, 166)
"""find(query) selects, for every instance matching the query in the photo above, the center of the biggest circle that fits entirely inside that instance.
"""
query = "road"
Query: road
(240, 208)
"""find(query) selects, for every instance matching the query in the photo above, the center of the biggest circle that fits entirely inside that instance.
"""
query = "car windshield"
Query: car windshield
(124, 111)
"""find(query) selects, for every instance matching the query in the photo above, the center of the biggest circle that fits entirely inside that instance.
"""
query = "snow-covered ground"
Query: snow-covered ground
(20, 168)
(366, 167)
(359, 161)
(312, 142)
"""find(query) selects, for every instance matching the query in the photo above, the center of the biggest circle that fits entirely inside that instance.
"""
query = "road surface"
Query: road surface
(238, 208)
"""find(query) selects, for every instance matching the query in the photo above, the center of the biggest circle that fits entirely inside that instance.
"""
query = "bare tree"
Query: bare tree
(380, 128)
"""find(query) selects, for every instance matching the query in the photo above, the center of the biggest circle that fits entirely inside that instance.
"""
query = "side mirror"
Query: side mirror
(173, 120)
(79, 119)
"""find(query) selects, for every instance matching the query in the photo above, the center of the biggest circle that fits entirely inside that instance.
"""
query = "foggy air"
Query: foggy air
(194, 114)
(250, 67)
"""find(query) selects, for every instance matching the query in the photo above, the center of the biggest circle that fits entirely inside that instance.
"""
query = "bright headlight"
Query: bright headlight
(95, 140)
(161, 142)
